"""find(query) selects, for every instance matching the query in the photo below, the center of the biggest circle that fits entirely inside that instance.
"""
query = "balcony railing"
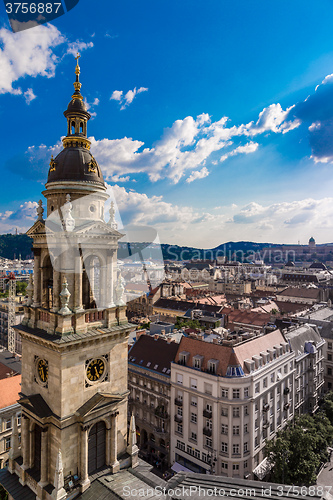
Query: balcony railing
(178, 418)
(207, 431)
(161, 413)
(178, 402)
(207, 413)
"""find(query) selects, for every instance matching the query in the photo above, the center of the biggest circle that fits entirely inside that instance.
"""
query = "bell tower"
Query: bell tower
(75, 331)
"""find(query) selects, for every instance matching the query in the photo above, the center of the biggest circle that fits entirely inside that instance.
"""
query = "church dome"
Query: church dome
(78, 106)
(312, 240)
(75, 164)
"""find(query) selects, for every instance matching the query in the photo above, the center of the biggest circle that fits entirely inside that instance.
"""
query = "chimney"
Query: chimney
(156, 336)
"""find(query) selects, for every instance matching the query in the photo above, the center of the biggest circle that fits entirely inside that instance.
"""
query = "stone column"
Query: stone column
(115, 466)
(37, 271)
(56, 289)
(109, 274)
(78, 283)
(25, 442)
(108, 446)
(43, 466)
(85, 481)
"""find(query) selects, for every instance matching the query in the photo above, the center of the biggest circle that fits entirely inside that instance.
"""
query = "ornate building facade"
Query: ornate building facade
(74, 332)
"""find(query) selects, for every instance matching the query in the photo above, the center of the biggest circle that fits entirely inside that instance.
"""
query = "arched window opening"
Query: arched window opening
(81, 128)
(73, 128)
(47, 273)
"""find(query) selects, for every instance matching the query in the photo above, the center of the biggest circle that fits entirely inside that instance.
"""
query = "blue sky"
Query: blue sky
(212, 120)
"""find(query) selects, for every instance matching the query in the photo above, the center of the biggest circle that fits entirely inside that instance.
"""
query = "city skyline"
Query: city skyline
(212, 123)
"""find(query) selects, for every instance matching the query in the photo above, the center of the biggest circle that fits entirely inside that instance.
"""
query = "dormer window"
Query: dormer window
(212, 366)
(183, 357)
(197, 361)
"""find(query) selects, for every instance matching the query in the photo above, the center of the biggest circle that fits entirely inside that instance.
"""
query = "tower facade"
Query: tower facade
(75, 331)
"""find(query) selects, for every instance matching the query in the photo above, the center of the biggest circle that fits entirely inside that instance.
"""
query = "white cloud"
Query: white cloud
(20, 219)
(198, 174)
(126, 99)
(29, 96)
(117, 178)
(27, 53)
(250, 147)
(272, 119)
(78, 46)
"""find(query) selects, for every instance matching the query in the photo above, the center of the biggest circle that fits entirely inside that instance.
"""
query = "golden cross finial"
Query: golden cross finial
(77, 58)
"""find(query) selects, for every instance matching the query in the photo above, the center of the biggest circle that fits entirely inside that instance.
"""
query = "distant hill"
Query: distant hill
(15, 245)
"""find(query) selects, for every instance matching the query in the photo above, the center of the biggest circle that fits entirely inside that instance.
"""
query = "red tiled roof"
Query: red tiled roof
(4, 371)
(208, 351)
(246, 317)
(9, 390)
(306, 293)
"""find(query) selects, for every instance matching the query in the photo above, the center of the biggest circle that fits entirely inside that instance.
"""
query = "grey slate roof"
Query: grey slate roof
(11, 484)
(65, 339)
(37, 404)
(301, 334)
(14, 363)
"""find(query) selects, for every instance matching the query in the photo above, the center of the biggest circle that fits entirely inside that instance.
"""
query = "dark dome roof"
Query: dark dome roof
(72, 164)
(312, 240)
(78, 106)
(318, 265)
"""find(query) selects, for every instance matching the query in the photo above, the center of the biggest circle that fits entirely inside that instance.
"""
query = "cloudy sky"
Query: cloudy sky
(212, 121)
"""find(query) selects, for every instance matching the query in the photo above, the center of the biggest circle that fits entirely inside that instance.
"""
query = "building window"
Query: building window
(329, 357)
(291, 365)
(257, 387)
(224, 447)
(256, 442)
(235, 411)
(265, 382)
(179, 378)
(224, 429)
(271, 395)
(19, 420)
(193, 436)
(256, 423)
(246, 392)
(236, 393)
(224, 392)
(224, 465)
(245, 447)
(329, 345)
(180, 411)
(329, 371)
(194, 401)
(180, 428)
(180, 445)
(235, 449)
(209, 442)
(246, 410)
(193, 383)
(246, 429)
(8, 424)
(197, 362)
(7, 443)
(208, 388)
(235, 430)
(272, 377)
(224, 411)
(209, 423)
(285, 368)
(256, 407)
(194, 418)
(235, 466)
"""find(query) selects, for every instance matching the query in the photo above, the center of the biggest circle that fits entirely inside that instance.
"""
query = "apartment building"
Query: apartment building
(321, 315)
(149, 368)
(308, 346)
(227, 400)
(9, 411)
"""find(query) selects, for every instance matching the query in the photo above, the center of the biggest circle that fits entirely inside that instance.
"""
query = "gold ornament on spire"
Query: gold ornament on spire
(77, 84)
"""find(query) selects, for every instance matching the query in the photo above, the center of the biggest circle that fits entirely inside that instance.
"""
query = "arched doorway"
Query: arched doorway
(96, 447)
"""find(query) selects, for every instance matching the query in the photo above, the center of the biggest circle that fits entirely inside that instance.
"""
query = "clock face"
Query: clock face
(43, 370)
(95, 369)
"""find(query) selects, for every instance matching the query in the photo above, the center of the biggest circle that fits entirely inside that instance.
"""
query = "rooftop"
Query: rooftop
(9, 390)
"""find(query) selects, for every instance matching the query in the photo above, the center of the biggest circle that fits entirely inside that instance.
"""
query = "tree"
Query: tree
(21, 287)
(299, 449)
(187, 323)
